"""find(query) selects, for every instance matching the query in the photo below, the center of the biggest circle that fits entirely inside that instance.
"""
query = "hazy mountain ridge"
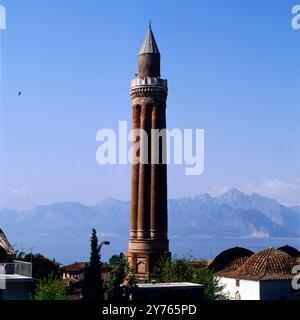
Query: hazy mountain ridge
(233, 214)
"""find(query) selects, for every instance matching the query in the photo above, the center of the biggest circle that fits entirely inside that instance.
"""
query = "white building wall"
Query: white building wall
(248, 289)
(259, 290)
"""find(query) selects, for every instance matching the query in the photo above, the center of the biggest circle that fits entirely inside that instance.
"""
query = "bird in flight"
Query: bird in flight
(19, 93)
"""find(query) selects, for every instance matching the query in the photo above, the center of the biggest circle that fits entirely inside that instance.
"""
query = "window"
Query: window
(237, 282)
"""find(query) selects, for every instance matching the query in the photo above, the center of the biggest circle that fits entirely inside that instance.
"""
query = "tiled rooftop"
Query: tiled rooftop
(268, 264)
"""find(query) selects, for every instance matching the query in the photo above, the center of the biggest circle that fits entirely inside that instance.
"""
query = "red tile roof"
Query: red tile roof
(74, 267)
(268, 264)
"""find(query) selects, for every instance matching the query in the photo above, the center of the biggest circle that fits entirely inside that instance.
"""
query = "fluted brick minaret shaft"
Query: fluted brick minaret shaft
(148, 223)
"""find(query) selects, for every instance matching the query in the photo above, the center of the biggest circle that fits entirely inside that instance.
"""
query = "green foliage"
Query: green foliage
(178, 270)
(112, 290)
(51, 288)
(120, 274)
(174, 270)
(130, 278)
(212, 288)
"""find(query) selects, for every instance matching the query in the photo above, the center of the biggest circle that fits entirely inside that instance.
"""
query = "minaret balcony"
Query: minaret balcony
(149, 81)
(148, 86)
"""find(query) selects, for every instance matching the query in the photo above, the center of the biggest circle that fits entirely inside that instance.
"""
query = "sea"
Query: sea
(74, 248)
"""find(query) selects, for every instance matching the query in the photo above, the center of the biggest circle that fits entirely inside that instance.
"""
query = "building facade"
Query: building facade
(265, 275)
(15, 276)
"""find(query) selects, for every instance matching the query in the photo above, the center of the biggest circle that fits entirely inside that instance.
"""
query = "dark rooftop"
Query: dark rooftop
(293, 252)
(230, 260)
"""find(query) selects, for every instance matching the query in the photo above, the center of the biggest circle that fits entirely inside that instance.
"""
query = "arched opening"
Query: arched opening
(237, 296)
(141, 267)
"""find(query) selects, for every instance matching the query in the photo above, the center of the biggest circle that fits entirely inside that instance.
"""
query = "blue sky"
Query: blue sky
(232, 67)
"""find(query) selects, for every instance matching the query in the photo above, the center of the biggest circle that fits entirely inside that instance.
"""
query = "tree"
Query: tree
(95, 249)
(178, 270)
(212, 288)
(115, 279)
(92, 287)
(42, 267)
(51, 288)
(174, 270)
(120, 280)
(113, 259)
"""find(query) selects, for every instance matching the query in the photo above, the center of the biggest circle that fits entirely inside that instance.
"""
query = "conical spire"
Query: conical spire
(149, 45)
(149, 57)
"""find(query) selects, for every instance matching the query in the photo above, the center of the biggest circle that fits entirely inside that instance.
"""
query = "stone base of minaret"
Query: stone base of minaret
(143, 255)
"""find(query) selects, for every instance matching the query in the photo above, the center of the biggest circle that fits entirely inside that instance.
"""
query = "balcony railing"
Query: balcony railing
(16, 267)
(14, 271)
(149, 81)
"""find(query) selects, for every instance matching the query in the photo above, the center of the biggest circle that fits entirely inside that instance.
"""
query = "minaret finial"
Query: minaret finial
(149, 24)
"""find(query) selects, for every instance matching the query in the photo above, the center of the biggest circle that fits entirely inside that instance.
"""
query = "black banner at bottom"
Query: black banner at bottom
(94, 310)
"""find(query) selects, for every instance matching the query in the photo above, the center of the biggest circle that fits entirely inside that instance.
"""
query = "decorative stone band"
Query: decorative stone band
(158, 234)
(148, 245)
(149, 86)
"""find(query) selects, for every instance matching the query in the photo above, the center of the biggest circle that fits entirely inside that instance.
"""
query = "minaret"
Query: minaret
(149, 219)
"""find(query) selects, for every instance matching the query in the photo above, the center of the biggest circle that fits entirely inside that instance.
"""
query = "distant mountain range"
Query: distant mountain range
(233, 214)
